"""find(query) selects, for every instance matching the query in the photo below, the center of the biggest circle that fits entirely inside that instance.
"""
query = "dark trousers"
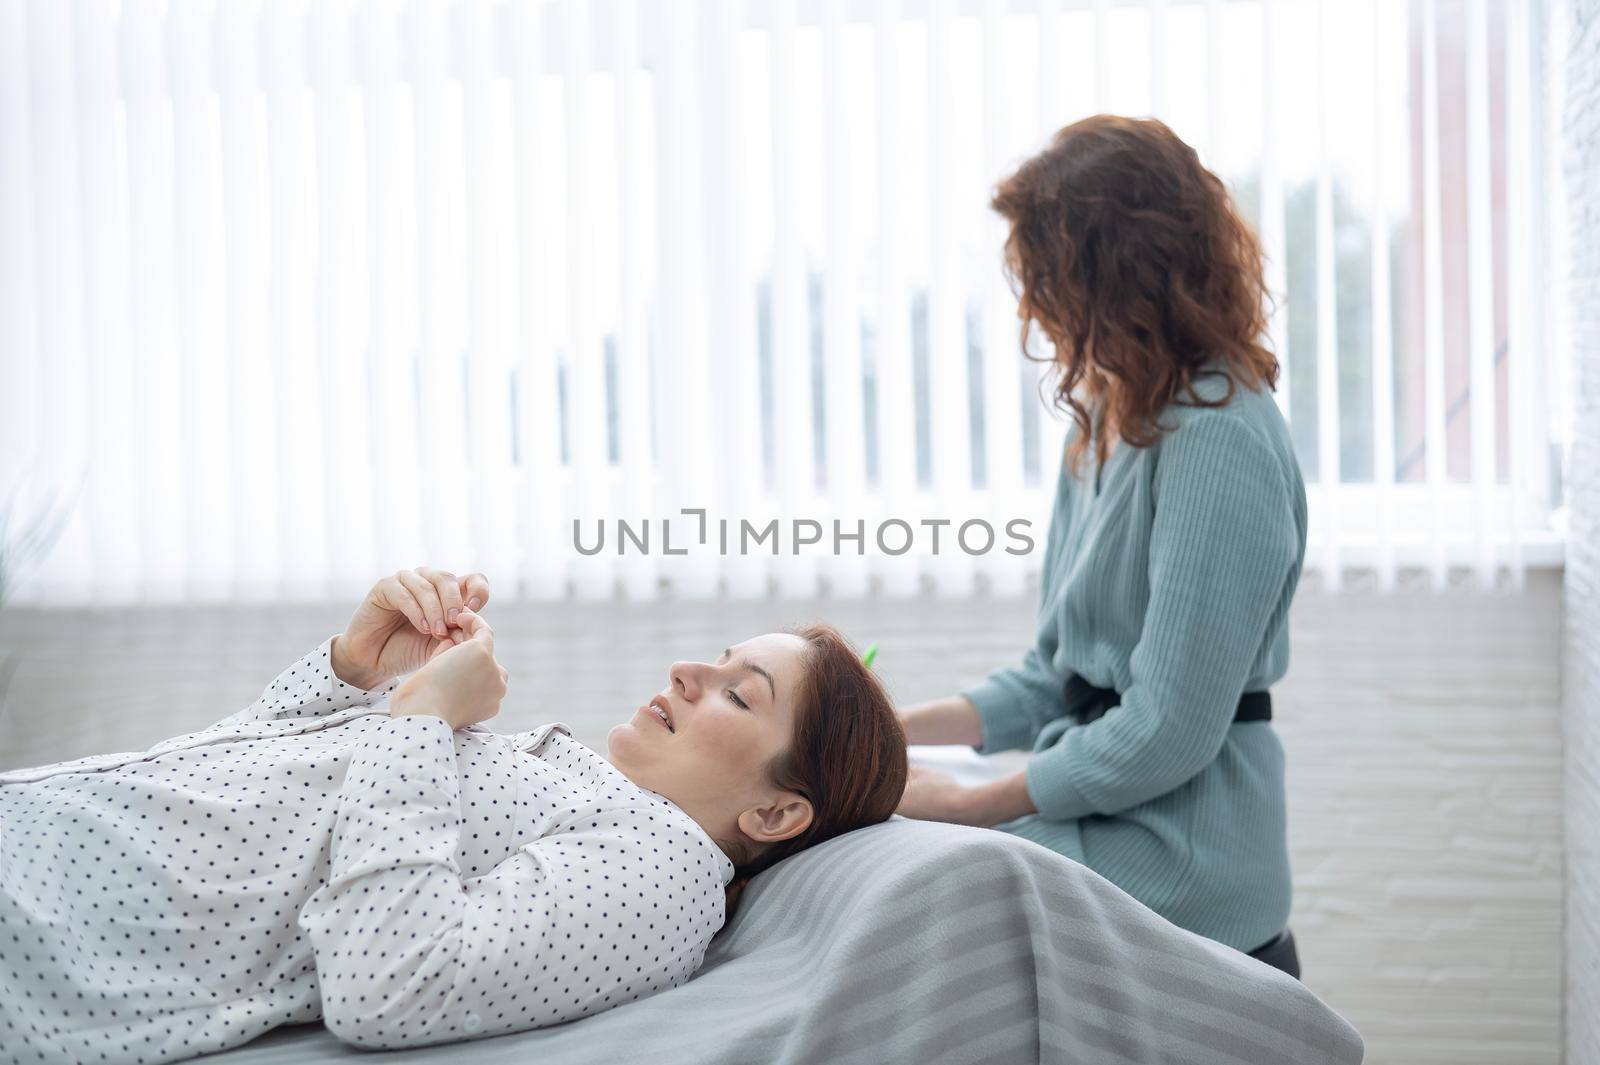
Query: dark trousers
(1280, 953)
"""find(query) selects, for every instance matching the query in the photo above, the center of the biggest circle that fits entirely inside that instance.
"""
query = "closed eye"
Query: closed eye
(735, 697)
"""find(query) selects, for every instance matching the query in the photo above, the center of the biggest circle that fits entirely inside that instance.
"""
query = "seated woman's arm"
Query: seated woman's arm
(312, 687)
(950, 720)
(603, 909)
(1014, 703)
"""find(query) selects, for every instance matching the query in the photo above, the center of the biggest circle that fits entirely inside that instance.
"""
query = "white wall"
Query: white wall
(1423, 749)
(1580, 109)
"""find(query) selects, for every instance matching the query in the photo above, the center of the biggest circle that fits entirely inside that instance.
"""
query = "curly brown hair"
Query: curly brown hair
(847, 754)
(1131, 258)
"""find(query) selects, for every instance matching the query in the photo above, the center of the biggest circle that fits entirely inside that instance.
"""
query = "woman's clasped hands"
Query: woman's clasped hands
(461, 685)
(425, 622)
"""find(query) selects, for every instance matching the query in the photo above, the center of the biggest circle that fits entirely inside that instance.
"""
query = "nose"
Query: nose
(685, 677)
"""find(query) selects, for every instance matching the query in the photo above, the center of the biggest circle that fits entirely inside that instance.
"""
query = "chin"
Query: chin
(622, 739)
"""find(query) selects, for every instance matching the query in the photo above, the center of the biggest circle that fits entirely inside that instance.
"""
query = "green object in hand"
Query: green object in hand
(871, 653)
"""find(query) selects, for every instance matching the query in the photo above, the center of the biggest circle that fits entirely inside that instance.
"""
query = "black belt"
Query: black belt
(1088, 703)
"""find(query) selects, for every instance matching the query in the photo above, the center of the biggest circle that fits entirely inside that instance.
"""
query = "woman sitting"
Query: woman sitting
(399, 870)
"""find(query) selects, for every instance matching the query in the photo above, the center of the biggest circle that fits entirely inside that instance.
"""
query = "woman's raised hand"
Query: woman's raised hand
(404, 621)
(462, 684)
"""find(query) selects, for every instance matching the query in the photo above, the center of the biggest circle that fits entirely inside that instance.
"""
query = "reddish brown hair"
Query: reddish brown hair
(847, 754)
(1132, 260)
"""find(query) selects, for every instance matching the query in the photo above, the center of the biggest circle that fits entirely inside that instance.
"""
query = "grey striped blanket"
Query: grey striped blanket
(919, 942)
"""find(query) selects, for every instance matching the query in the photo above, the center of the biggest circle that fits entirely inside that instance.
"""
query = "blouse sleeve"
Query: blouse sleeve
(608, 907)
(1223, 543)
(1014, 703)
(308, 688)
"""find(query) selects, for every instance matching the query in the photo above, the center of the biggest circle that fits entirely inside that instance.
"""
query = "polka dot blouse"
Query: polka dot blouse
(312, 857)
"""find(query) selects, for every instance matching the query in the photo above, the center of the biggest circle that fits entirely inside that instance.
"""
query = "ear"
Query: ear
(781, 820)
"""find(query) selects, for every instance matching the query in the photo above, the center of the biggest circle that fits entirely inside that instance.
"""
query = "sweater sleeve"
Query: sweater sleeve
(1222, 545)
(1015, 702)
(611, 905)
(307, 688)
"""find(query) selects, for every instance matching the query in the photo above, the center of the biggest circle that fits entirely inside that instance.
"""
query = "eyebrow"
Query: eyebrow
(727, 652)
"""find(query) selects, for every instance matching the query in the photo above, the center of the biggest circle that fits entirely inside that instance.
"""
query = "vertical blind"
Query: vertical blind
(295, 294)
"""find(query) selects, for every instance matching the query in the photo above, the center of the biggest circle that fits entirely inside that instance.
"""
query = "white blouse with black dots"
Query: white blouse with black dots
(311, 856)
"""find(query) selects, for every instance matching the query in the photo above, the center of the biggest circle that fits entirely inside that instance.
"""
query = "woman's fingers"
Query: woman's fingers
(432, 599)
(475, 590)
(448, 589)
(423, 591)
(477, 629)
(398, 597)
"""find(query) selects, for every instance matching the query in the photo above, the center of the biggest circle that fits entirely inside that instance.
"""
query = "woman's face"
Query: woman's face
(729, 719)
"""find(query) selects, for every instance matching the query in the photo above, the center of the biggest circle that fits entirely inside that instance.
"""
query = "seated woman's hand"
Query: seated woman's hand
(934, 796)
(461, 684)
(404, 621)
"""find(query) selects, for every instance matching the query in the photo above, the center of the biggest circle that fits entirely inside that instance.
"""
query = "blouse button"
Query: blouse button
(472, 1022)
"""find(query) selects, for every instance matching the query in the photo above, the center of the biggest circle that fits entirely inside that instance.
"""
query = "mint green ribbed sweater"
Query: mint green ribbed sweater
(1169, 581)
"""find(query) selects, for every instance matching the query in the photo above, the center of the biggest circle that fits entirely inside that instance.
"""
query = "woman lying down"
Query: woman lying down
(401, 871)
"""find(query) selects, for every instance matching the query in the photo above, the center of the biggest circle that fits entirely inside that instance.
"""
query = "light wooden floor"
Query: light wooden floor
(1422, 737)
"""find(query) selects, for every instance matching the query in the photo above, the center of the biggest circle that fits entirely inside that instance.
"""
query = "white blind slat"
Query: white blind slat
(952, 570)
(1433, 298)
(1102, 55)
(197, 503)
(340, 295)
(794, 438)
(639, 571)
(683, 367)
(491, 259)
(302, 522)
(1052, 425)
(113, 470)
(1328, 458)
(400, 433)
(897, 439)
(1480, 296)
(57, 255)
(542, 520)
(846, 449)
(1522, 266)
(19, 400)
(1383, 408)
(1159, 51)
(255, 395)
(1002, 367)
(1211, 151)
(439, 278)
(588, 425)
(1274, 238)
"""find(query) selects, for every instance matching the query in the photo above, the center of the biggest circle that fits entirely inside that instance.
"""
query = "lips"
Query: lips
(665, 708)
